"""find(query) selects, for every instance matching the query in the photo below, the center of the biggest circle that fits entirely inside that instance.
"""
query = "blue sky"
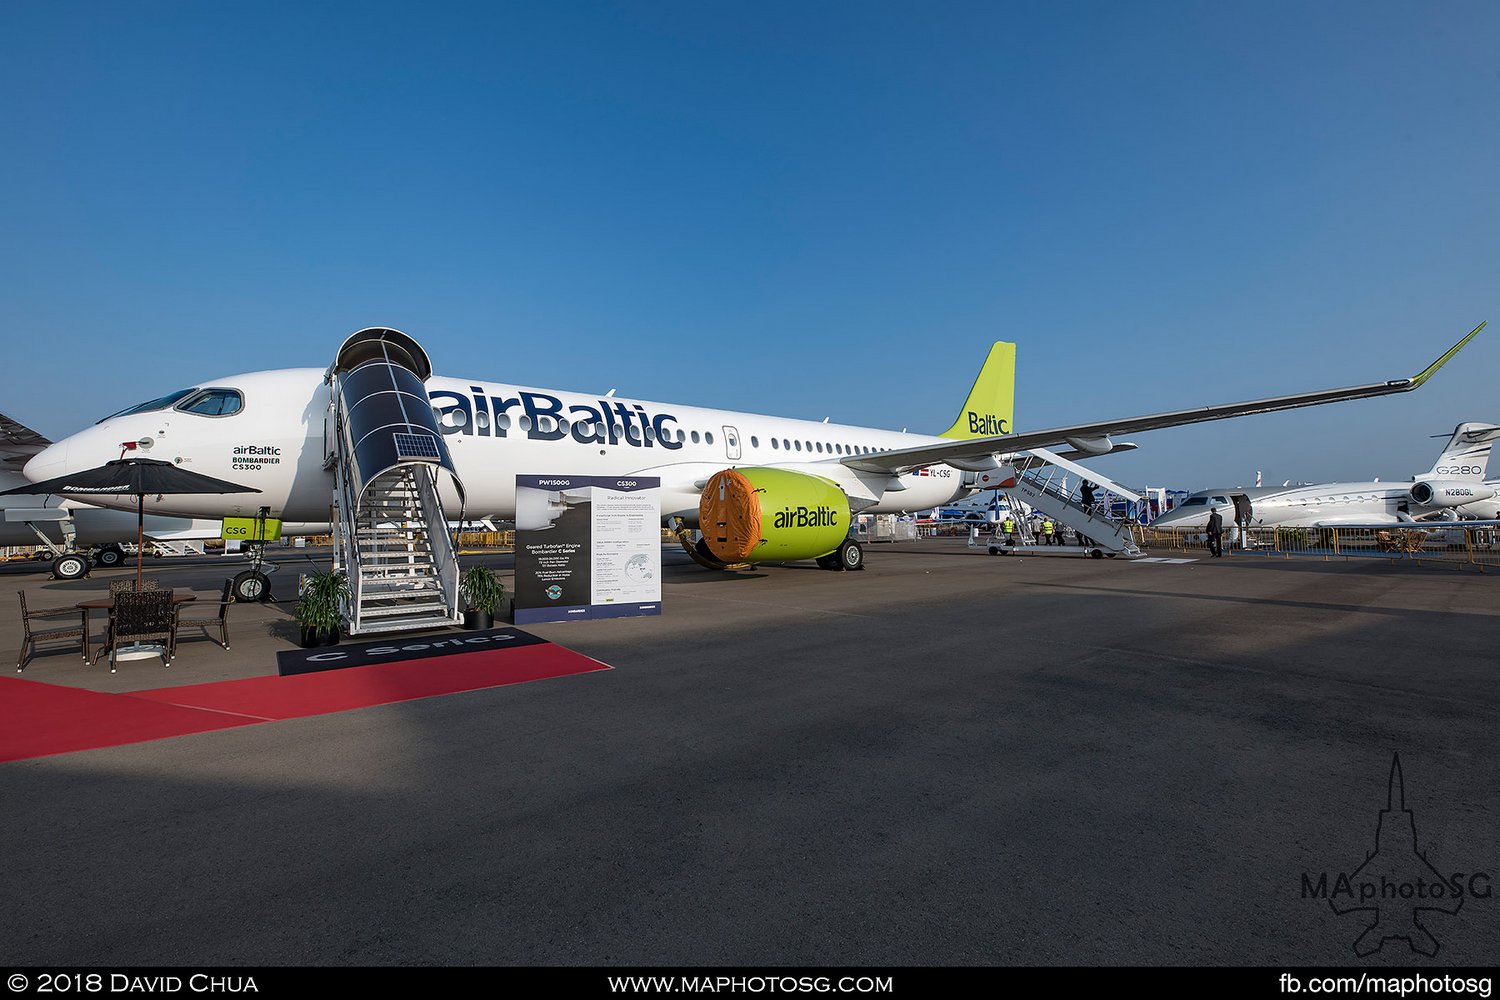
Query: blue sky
(792, 208)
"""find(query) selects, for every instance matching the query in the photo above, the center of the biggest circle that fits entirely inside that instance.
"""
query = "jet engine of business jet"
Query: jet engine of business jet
(757, 515)
(1446, 493)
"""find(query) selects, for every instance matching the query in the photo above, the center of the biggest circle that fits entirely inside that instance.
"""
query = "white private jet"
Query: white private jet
(351, 436)
(1454, 486)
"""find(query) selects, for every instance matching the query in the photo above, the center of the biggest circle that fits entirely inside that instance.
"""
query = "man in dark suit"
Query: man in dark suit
(1215, 531)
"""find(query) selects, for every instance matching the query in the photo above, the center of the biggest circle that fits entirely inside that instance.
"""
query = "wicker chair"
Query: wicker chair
(219, 620)
(146, 616)
(33, 636)
(126, 586)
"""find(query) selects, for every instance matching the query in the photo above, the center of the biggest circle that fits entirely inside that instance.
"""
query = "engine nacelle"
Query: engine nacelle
(1448, 492)
(770, 515)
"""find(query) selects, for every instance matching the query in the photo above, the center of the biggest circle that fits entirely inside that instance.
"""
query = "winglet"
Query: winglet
(1431, 370)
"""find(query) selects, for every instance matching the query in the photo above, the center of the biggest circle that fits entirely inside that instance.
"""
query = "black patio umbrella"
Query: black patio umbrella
(136, 477)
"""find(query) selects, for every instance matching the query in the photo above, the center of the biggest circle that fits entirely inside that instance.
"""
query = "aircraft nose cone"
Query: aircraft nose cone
(48, 463)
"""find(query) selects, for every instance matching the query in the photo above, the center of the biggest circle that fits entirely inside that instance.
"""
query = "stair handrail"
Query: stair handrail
(348, 543)
(440, 542)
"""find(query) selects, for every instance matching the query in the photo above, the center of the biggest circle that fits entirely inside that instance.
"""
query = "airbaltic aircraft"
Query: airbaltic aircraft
(279, 432)
(71, 528)
(1455, 486)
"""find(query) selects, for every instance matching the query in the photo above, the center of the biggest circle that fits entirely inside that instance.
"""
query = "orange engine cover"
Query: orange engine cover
(729, 516)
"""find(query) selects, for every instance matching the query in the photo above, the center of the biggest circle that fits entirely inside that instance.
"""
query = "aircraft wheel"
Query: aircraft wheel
(70, 566)
(851, 555)
(109, 557)
(250, 586)
(830, 561)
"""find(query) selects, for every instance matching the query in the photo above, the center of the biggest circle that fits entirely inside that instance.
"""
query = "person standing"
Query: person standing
(1215, 531)
(1047, 531)
(1009, 527)
(1087, 492)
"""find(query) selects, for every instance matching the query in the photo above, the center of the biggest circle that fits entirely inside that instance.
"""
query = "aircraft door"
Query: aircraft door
(731, 443)
(1243, 511)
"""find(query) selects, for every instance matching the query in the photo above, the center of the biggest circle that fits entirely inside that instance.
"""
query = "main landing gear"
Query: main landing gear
(70, 566)
(850, 556)
(109, 556)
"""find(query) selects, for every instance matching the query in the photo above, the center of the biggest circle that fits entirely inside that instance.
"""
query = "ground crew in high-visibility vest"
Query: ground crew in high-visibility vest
(1009, 527)
(1047, 532)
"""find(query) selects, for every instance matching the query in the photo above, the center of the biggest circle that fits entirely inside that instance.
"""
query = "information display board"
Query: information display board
(587, 547)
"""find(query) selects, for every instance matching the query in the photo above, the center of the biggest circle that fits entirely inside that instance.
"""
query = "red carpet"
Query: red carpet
(379, 684)
(37, 720)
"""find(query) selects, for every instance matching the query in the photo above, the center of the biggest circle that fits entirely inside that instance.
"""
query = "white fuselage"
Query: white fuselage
(275, 443)
(1320, 505)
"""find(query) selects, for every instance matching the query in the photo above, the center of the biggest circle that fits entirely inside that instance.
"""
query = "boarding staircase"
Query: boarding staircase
(1039, 483)
(390, 530)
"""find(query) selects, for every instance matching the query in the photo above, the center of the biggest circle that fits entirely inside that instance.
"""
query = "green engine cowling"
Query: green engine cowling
(771, 515)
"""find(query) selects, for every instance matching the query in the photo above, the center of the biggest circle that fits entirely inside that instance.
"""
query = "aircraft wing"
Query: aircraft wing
(18, 443)
(905, 459)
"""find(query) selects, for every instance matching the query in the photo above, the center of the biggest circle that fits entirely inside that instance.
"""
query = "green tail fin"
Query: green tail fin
(990, 408)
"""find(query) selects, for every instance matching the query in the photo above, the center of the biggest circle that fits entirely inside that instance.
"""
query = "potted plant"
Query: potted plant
(317, 609)
(482, 592)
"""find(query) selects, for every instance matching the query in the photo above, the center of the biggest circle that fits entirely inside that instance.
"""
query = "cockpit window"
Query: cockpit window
(1195, 502)
(213, 402)
(160, 403)
(1221, 499)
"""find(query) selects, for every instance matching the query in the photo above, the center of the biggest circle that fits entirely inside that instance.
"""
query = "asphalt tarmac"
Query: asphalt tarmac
(948, 758)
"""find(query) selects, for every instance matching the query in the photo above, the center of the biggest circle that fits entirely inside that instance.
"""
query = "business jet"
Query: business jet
(762, 488)
(1454, 487)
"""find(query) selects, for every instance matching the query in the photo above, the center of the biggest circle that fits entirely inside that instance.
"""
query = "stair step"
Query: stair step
(401, 625)
(404, 609)
(411, 585)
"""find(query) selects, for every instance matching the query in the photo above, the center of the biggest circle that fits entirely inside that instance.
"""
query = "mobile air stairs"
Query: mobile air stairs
(1039, 485)
(390, 465)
